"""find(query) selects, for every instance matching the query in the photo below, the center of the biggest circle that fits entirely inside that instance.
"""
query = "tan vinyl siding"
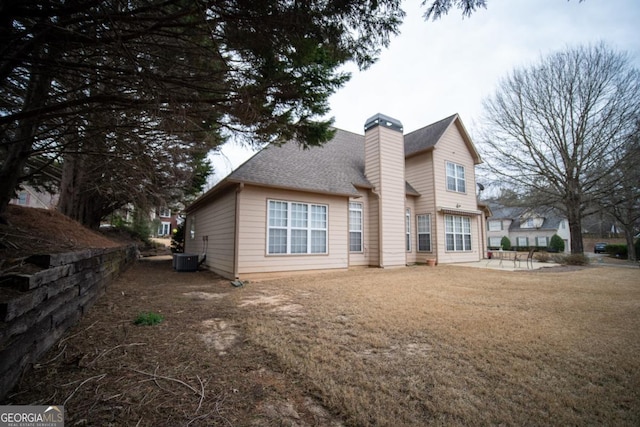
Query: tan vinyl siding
(369, 255)
(252, 236)
(452, 148)
(216, 221)
(413, 256)
(386, 173)
(444, 256)
(419, 173)
(372, 230)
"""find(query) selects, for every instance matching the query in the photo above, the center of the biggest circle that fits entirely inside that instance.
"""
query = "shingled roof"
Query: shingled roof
(426, 137)
(337, 167)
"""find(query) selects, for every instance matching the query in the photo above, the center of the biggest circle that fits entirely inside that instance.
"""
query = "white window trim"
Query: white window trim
(494, 239)
(419, 233)
(456, 177)
(497, 223)
(407, 227)
(309, 228)
(526, 240)
(465, 221)
(356, 207)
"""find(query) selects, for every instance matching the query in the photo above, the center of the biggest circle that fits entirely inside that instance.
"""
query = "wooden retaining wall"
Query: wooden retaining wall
(38, 306)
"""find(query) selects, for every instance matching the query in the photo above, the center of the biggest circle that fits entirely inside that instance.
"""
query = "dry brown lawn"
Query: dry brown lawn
(413, 346)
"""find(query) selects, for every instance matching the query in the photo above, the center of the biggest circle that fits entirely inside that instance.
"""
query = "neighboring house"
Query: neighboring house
(379, 199)
(525, 228)
(166, 219)
(30, 197)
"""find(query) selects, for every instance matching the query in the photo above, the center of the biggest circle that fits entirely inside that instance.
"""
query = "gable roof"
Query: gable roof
(426, 138)
(552, 219)
(337, 167)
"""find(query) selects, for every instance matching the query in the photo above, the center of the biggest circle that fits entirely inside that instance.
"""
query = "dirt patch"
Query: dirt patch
(412, 346)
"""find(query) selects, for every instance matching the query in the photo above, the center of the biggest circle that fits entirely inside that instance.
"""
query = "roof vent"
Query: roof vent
(384, 121)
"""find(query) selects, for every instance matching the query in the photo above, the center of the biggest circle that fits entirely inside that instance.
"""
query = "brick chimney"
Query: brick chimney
(384, 168)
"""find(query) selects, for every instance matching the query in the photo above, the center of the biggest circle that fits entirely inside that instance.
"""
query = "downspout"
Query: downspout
(236, 231)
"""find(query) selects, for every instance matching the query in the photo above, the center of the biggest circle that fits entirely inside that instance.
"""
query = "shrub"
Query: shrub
(505, 243)
(149, 318)
(618, 251)
(576, 259)
(542, 256)
(177, 239)
(637, 246)
(556, 244)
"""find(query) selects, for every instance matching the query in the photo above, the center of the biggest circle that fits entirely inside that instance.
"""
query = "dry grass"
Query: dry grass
(462, 346)
(413, 346)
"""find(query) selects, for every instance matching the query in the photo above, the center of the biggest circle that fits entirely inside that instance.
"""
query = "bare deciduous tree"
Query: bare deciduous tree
(556, 129)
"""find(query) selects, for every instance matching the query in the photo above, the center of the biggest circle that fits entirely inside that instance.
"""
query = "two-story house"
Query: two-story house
(380, 199)
(526, 228)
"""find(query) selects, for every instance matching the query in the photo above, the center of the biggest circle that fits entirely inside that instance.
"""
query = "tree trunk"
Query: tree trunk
(76, 200)
(631, 249)
(575, 229)
(20, 146)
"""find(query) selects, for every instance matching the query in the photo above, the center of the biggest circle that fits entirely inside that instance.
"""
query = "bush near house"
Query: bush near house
(505, 243)
(618, 251)
(556, 244)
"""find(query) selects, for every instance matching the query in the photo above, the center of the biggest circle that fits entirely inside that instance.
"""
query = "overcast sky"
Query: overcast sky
(435, 69)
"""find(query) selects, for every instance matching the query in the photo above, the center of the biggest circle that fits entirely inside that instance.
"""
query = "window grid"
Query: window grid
(424, 233)
(494, 242)
(355, 227)
(408, 230)
(296, 228)
(495, 225)
(455, 178)
(458, 233)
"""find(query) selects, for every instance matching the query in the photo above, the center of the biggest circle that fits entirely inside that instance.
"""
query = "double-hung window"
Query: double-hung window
(457, 232)
(495, 242)
(495, 225)
(355, 227)
(455, 178)
(424, 233)
(407, 225)
(296, 228)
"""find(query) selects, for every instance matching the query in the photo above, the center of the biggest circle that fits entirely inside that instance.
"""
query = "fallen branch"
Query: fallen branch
(99, 377)
(74, 335)
(115, 348)
(162, 377)
(40, 365)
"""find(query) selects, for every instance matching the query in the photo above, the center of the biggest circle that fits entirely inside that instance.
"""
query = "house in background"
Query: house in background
(380, 199)
(166, 221)
(526, 228)
(30, 197)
